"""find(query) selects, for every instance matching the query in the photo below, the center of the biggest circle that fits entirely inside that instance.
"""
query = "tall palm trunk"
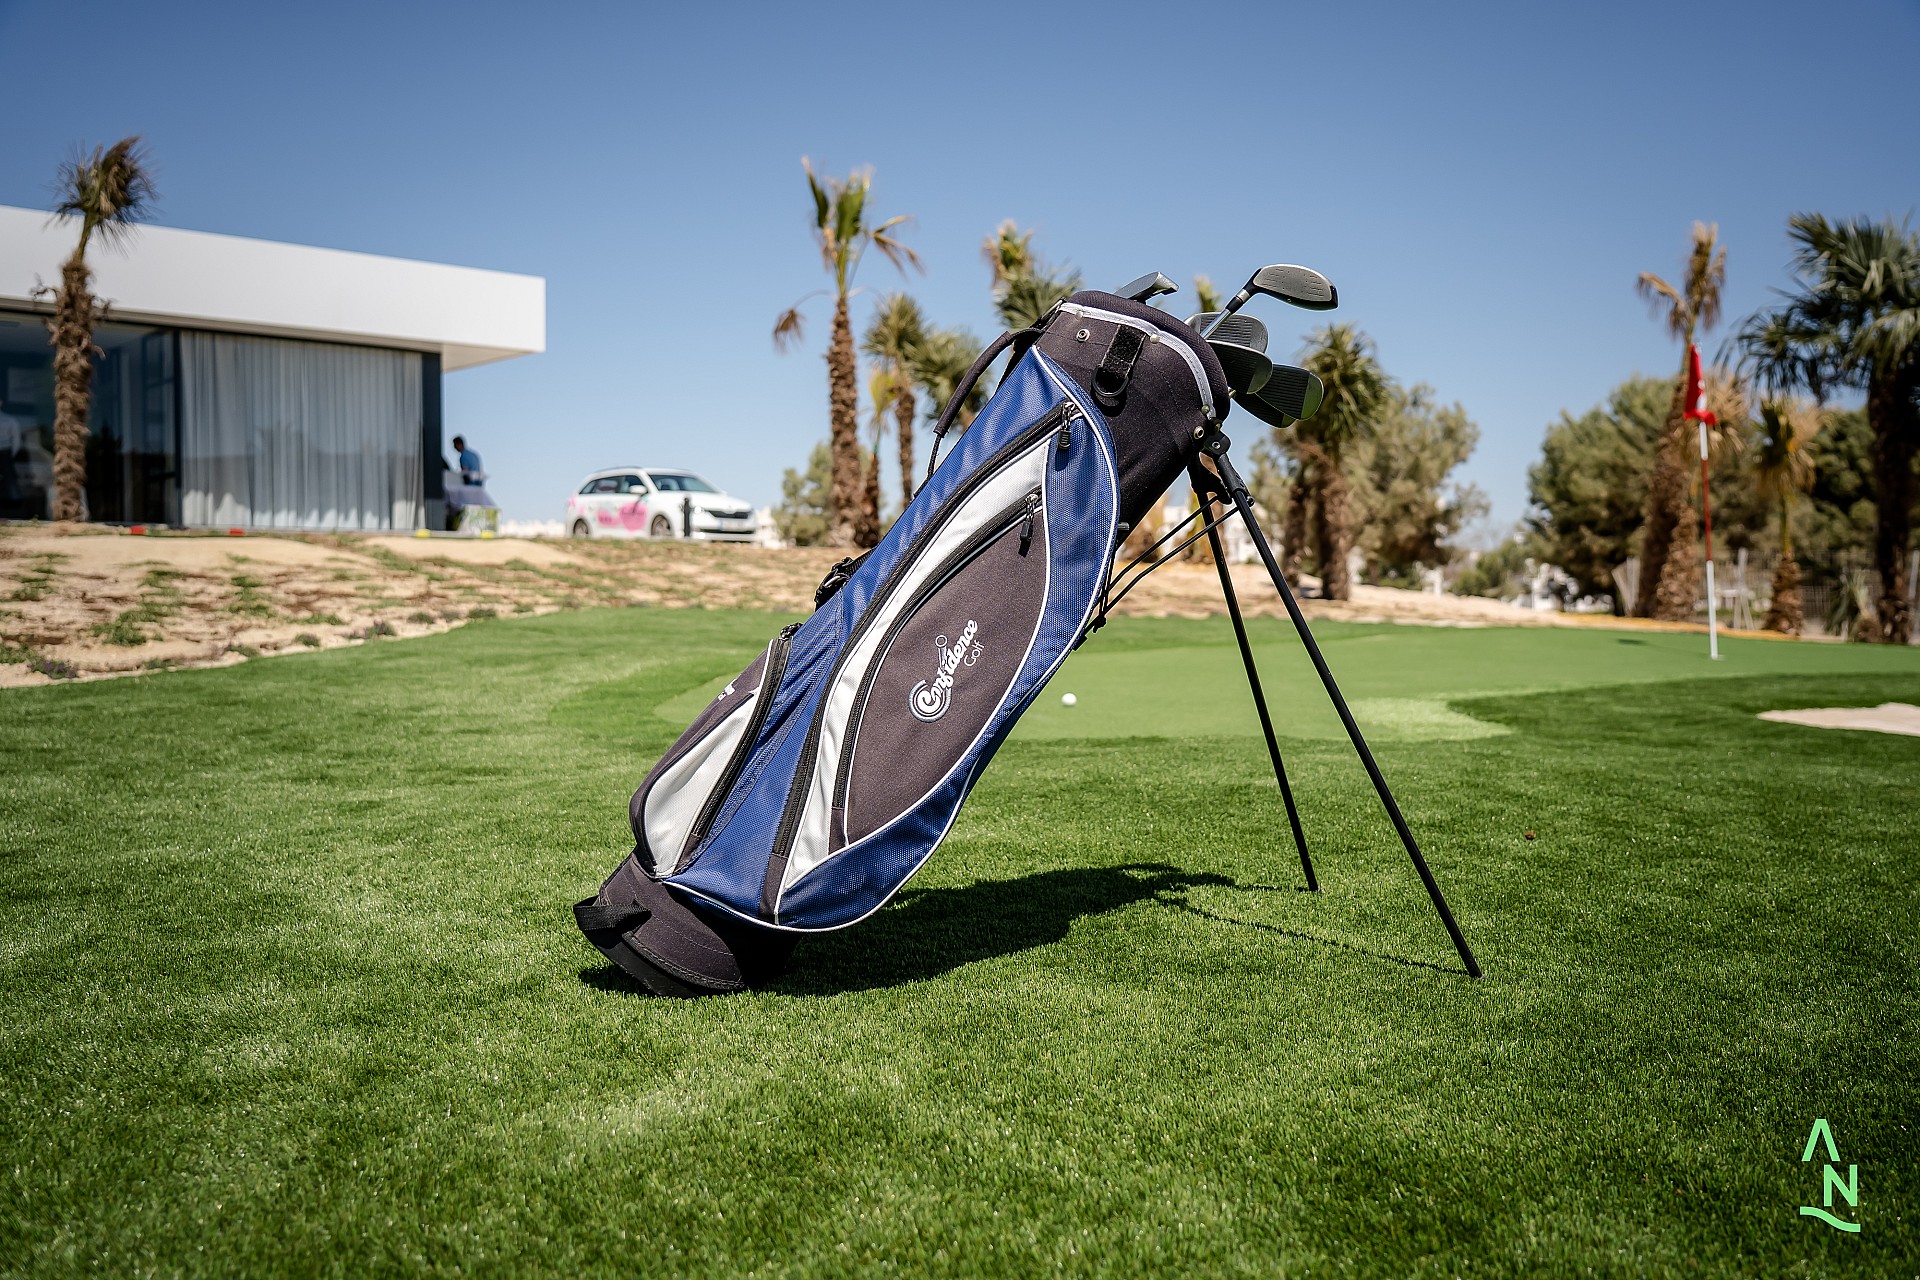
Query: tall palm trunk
(1669, 522)
(72, 385)
(1896, 437)
(1293, 530)
(1332, 532)
(1784, 612)
(866, 527)
(903, 409)
(843, 403)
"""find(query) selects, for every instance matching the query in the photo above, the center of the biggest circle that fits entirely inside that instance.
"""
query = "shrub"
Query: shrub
(244, 650)
(483, 611)
(53, 668)
(324, 620)
(123, 630)
(308, 639)
(421, 616)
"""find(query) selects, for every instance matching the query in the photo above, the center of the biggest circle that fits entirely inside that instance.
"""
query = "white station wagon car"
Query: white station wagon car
(651, 502)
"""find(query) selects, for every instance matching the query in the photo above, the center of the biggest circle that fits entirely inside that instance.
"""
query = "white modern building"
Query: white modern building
(247, 383)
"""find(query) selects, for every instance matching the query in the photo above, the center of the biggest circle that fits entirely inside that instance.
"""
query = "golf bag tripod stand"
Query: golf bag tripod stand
(1222, 485)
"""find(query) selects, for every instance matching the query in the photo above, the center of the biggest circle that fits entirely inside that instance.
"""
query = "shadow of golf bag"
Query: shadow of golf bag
(826, 773)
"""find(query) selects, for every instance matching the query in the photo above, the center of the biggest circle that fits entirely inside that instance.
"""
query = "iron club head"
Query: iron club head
(1245, 330)
(1247, 370)
(1288, 395)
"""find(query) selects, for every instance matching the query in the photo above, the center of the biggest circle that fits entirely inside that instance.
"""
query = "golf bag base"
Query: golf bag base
(674, 949)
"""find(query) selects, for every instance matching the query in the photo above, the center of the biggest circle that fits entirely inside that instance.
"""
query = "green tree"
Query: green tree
(1853, 319)
(1589, 488)
(1407, 512)
(1783, 468)
(893, 340)
(842, 232)
(1356, 393)
(109, 191)
(1025, 286)
(804, 516)
(939, 363)
(1205, 296)
(1669, 553)
(1504, 571)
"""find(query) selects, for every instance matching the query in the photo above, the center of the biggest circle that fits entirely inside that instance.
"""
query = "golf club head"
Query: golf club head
(1150, 285)
(1301, 286)
(1243, 329)
(1247, 370)
(1289, 392)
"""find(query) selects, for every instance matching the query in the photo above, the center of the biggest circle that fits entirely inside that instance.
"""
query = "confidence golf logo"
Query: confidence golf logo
(930, 700)
(1831, 1181)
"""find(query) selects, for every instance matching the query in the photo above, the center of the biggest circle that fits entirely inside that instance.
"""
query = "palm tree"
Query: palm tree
(109, 191)
(1782, 470)
(1669, 550)
(941, 360)
(1025, 287)
(843, 234)
(1356, 391)
(1206, 297)
(893, 339)
(1853, 320)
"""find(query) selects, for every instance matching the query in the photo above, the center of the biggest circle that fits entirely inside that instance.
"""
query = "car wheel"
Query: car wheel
(661, 527)
(580, 529)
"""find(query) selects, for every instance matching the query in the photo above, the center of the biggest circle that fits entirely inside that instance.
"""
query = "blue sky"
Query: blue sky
(1483, 184)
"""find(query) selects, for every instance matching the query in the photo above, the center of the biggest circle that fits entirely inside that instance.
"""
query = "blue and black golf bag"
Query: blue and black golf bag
(828, 771)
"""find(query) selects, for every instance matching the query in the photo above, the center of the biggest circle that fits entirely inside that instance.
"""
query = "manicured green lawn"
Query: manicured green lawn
(290, 985)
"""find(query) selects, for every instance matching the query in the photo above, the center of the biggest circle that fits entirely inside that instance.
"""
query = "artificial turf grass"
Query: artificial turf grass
(292, 987)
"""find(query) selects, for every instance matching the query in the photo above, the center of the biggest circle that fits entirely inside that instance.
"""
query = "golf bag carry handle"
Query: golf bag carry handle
(944, 422)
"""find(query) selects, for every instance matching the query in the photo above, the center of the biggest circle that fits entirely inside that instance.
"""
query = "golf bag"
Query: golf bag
(826, 773)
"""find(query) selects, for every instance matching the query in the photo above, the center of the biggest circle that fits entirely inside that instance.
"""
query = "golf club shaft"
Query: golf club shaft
(1243, 502)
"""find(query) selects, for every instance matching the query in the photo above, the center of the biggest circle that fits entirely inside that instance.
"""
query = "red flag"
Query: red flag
(1697, 390)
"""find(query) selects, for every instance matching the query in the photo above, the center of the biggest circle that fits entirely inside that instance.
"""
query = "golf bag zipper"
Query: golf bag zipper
(1154, 335)
(1018, 515)
(802, 784)
(775, 668)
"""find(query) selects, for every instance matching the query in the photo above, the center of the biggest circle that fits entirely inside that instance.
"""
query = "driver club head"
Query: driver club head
(1247, 370)
(1300, 286)
(1150, 285)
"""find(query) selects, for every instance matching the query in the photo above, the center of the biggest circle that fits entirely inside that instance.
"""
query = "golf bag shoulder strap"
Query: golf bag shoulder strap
(944, 423)
(837, 577)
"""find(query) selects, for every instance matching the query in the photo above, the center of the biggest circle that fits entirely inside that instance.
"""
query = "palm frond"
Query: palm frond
(109, 190)
(1706, 275)
(1664, 301)
(789, 329)
(1206, 297)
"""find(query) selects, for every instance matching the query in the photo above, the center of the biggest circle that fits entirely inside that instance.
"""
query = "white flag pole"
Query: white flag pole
(1706, 503)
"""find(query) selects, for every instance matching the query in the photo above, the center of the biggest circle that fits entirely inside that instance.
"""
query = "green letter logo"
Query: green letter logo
(1831, 1181)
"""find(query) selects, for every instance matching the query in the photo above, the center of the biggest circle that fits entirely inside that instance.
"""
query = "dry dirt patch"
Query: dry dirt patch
(81, 601)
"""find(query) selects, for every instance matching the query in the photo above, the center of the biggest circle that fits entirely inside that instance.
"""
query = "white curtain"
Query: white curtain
(277, 434)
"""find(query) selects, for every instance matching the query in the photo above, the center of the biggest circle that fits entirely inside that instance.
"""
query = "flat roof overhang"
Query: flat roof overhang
(197, 280)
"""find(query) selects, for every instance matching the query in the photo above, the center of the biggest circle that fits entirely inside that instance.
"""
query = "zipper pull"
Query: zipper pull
(1026, 522)
(1066, 431)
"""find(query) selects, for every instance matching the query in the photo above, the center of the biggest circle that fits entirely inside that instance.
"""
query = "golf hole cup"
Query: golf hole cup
(1067, 699)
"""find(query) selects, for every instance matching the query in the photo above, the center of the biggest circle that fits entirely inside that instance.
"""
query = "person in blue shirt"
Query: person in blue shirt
(470, 469)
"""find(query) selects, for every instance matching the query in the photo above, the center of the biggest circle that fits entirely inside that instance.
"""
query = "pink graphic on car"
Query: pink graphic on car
(631, 515)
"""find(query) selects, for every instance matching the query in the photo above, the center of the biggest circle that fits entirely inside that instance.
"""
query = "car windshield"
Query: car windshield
(680, 482)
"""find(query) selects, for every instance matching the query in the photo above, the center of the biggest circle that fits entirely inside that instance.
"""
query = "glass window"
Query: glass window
(607, 484)
(130, 444)
(587, 487)
(680, 482)
(632, 484)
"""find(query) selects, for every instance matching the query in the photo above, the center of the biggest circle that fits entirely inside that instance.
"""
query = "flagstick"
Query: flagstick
(1706, 505)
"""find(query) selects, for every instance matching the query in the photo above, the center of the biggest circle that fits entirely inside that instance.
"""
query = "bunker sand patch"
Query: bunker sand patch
(1889, 717)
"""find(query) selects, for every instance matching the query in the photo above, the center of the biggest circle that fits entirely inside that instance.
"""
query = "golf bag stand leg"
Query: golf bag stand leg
(1215, 446)
(1205, 484)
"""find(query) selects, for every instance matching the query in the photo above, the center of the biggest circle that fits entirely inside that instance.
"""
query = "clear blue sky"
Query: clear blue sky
(1481, 182)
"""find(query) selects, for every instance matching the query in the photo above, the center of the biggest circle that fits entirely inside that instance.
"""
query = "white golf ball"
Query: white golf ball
(1067, 699)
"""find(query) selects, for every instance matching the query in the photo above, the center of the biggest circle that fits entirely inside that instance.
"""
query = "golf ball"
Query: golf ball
(1067, 699)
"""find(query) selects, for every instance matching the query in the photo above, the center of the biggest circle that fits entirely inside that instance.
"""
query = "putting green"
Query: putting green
(1173, 678)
